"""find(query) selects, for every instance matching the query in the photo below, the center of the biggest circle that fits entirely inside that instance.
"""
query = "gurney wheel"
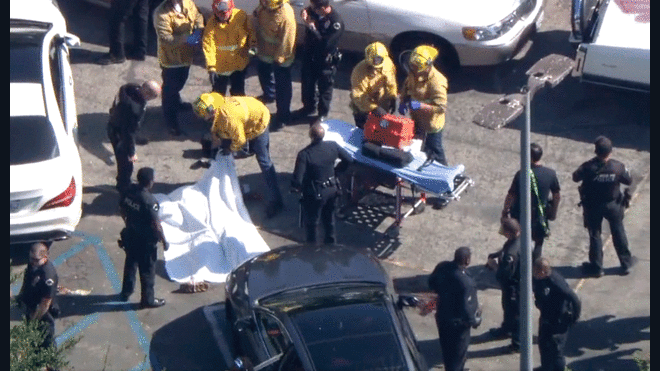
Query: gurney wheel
(393, 231)
(419, 209)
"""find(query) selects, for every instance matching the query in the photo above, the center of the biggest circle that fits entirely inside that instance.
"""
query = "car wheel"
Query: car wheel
(401, 47)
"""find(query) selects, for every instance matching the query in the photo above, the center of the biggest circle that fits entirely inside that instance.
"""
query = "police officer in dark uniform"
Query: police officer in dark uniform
(508, 276)
(139, 210)
(457, 307)
(560, 308)
(543, 184)
(126, 116)
(601, 197)
(324, 27)
(314, 176)
(39, 291)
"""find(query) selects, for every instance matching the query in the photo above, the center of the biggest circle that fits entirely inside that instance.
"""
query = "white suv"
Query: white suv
(45, 191)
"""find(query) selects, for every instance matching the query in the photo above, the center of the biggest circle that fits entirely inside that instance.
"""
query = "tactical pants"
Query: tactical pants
(140, 257)
(276, 83)
(551, 346)
(360, 119)
(511, 309)
(261, 147)
(124, 165)
(454, 342)
(174, 78)
(433, 144)
(313, 209)
(237, 81)
(315, 74)
(613, 212)
(120, 11)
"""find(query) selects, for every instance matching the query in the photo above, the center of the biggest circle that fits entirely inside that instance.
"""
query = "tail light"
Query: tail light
(63, 199)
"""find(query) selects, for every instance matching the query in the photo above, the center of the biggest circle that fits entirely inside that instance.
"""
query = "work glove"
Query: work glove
(414, 105)
(392, 106)
(195, 37)
(379, 112)
(403, 108)
(212, 77)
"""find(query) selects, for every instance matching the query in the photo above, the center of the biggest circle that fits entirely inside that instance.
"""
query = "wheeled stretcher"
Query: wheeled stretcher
(420, 176)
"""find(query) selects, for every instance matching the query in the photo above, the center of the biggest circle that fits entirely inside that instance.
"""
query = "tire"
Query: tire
(447, 63)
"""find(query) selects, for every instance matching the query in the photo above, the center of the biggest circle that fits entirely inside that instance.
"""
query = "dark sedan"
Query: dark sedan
(319, 308)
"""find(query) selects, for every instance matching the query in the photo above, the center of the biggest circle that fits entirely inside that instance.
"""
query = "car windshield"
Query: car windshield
(344, 328)
(31, 139)
(25, 56)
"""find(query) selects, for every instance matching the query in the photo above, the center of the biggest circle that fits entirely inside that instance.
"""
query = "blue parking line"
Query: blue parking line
(75, 329)
(115, 281)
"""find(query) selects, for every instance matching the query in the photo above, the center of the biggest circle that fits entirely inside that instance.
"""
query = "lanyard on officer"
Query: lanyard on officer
(538, 199)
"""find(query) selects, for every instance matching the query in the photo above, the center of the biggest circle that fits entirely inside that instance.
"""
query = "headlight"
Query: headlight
(500, 28)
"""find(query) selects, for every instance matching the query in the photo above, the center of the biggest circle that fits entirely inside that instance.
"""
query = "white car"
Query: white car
(45, 191)
(614, 39)
(467, 32)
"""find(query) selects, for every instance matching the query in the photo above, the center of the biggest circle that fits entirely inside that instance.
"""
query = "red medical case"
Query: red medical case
(389, 130)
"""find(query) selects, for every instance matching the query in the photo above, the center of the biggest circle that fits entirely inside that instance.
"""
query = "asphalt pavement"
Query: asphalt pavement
(615, 323)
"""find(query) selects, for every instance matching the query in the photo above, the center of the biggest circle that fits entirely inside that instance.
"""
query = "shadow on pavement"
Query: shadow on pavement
(610, 361)
(82, 305)
(607, 333)
(186, 343)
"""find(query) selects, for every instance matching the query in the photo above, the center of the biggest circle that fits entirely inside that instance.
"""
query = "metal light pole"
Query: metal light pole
(549, 71)
(526, 242)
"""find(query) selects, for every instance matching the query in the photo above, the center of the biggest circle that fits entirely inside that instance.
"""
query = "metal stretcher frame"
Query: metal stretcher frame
(367, 174)
(358, 189)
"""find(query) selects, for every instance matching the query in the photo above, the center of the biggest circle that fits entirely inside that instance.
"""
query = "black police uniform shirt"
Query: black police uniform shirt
(316, 162)
(39, 283)
(508, 270)
(552, 296)
(141, 210)
(547, 182)
(601, 180)
(323, 41)
(126, 115)
(457, 294)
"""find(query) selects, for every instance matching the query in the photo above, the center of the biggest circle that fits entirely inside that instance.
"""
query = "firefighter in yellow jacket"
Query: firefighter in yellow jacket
(179, 25)
(424, 93)
(275, 28)
(373, 84)
(227, 39)
(239, 120)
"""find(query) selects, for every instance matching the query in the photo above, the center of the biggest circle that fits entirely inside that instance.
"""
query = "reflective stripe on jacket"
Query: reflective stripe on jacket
(276, 34)
(432, 90)
(173, 29)
(226, 45)
(240, 119)
(371, 88)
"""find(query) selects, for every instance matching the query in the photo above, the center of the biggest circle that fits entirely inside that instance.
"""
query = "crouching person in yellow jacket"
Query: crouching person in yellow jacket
(178, 25)
(228, 37)
(239, 120)
(424, 93)
(275, 28)
(373, 84)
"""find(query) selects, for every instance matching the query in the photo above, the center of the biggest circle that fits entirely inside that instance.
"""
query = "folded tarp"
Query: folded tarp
(208, 227)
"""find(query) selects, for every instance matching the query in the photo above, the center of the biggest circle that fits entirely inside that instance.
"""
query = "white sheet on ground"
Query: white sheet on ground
(208, 227)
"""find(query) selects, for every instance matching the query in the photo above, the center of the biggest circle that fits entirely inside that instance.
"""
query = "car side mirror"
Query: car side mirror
(407, 301)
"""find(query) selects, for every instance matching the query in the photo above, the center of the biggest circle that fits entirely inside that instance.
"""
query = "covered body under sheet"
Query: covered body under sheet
(208, 226)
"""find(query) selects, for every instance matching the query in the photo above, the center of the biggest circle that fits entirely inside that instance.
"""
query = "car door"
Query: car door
(66, 95)
(584, 16)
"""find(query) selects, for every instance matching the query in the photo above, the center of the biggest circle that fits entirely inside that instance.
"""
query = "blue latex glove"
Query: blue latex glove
(195, 37)
(415, 105)
(403, 108)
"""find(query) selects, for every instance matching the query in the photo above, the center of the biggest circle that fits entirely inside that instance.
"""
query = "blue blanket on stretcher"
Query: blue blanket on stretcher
(433, 178)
